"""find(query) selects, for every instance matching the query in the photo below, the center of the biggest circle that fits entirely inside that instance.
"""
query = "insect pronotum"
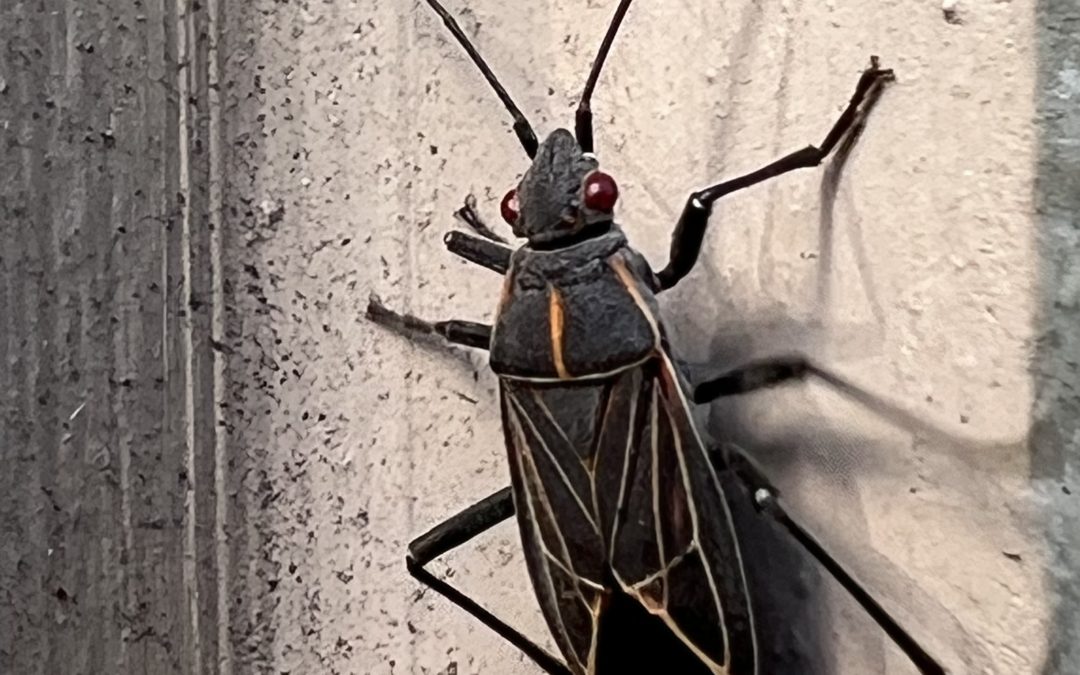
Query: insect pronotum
(627, 535)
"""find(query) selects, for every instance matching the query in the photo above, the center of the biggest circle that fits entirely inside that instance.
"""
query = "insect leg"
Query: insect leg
(774, 371)
(495, 257)
(454, 532)
(583, 129)
(522, 128)
(753, 376)
(766, 500)
(690, 230)
(768, 373)
(468, 215)
(466, 333)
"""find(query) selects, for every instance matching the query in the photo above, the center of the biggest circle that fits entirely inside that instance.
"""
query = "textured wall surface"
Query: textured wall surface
(213, 462)
(107, 503)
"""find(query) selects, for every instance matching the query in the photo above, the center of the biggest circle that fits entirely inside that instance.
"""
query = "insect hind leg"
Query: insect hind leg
(455, 531)
(769, 373)
(766, 500)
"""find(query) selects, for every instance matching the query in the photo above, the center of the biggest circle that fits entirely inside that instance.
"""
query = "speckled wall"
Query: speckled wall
(213, 463)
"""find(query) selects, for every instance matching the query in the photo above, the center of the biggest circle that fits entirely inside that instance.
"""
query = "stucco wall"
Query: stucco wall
(214, 463)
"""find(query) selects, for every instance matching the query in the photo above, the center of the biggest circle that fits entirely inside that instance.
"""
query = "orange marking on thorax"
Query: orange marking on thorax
(506, 294)
(618, 263)
(555, 315)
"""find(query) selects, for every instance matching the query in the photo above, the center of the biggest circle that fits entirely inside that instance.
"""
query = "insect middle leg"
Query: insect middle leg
(455, 331)
(690, 230)
(744, 379)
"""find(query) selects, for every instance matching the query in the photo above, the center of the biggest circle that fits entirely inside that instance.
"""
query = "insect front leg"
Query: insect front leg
(455, 331)
(690, 230)
(468, 215)
(455, 531)
(490, 251)
(495, 257)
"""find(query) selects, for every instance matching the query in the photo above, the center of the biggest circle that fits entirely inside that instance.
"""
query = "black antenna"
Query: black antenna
(583, 118)
(522, 128)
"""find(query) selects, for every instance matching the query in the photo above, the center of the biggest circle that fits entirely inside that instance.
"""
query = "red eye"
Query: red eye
(601, 192)
(509, 207)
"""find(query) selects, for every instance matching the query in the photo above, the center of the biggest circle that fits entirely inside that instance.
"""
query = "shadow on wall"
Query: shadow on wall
(788, 588)
(783, 596)
(1055, 437)
(806, 622)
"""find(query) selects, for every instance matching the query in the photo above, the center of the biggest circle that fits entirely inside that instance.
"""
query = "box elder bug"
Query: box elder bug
(627, 535)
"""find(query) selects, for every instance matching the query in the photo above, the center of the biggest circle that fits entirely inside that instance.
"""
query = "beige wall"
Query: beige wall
(935, 272)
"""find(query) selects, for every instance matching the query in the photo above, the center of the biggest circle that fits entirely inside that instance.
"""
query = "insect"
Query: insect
(626, 530)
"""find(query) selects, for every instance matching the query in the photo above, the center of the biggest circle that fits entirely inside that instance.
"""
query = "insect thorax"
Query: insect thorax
(581, 311)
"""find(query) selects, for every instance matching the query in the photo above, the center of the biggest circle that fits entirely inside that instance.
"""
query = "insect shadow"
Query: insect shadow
(813, 625)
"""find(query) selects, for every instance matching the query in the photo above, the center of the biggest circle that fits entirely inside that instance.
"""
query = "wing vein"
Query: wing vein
(558, 467)
(533, 524)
